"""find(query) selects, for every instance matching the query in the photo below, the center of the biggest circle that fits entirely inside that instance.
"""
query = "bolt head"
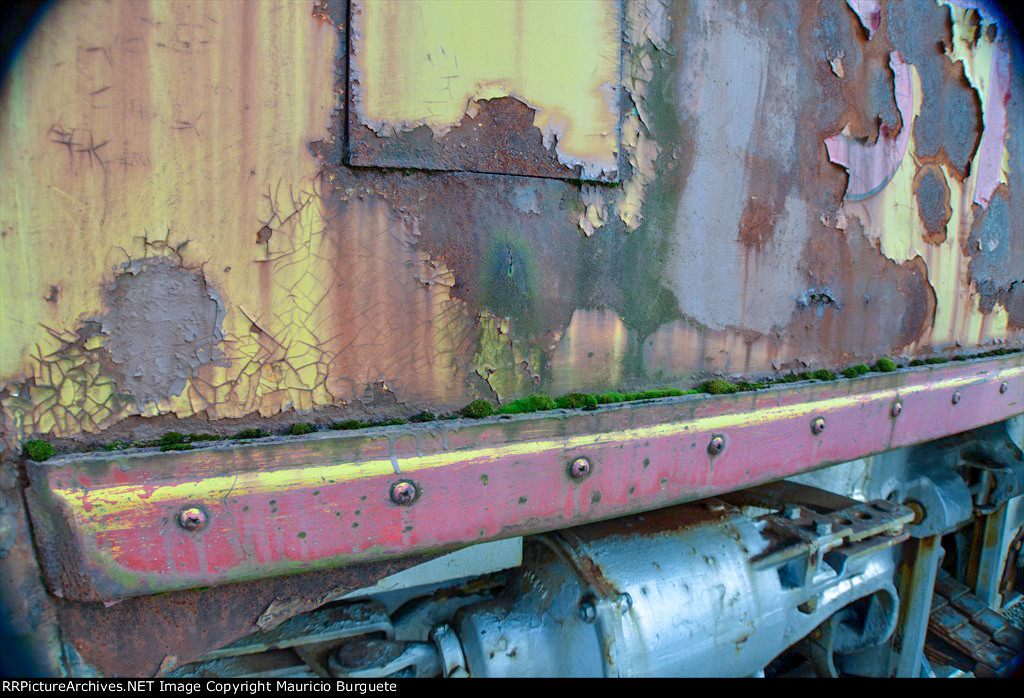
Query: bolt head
(192, 518)
(791, 511)
(717, 445)
(818, 425)
(956, 397)
(579, 468)
(897, 408)
(588, 612)
(403, 493)
(1003, 387)
(823, 528)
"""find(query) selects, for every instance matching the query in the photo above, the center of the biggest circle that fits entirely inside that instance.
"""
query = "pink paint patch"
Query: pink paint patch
(869, 12)
(872, 166)
(991, 148)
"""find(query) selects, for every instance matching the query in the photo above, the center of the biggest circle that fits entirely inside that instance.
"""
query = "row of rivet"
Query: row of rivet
(404, 492)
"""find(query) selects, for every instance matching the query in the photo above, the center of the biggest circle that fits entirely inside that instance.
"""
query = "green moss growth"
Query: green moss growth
(936, 360)
(347, 424)
(478, 409)
(575, 401)
(116, 446)
(300, 428)
(917, 362)
(251, 434)
(38, 450)
(388, 422)
(171, 438)
(176, 447)
(609, 398)
(423, 417)
(885, 365)
(533, 403)
(854, 371)
(745, 385)
(193, 438)
(719, 386)
(824, 374)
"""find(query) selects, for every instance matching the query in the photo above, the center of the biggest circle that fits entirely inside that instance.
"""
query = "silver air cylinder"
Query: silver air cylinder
(695, 590)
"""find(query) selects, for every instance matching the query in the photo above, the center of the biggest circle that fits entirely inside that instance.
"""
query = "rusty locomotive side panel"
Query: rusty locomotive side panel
(798, 186)
(228, 215)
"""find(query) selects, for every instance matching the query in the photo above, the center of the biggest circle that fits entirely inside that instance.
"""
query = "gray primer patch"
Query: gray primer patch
(524, 199)
(950, 118)
(161, 321)
(933, 200)
(997, 256)
(740, 93)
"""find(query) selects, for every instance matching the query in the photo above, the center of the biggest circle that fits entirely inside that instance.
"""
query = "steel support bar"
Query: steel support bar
(123, 524)
(916, 585)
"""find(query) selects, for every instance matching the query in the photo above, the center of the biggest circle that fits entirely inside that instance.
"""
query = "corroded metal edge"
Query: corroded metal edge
(107, 526)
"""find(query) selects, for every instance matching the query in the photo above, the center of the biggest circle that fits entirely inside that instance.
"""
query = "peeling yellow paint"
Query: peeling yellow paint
(594, 214)
(647, 30)
(509, 366)
(891, 216)
(428, 62)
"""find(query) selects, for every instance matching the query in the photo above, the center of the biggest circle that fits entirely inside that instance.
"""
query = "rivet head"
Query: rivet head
(717, 445)
(897, 408)
(403, 493)
(818, 425)
(956, 397)
(579, 468)
(192, 518)
(823, 528)
(1003, 387)
(791, 511)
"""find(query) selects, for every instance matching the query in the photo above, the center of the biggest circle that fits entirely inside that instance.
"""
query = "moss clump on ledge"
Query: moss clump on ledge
(360, 424)
(885, 365)
(251, 434)
(38, 450)
(478, 409)
(719, 386)
(171, 438)
(854, 371)
(533, 403)
(576, 401)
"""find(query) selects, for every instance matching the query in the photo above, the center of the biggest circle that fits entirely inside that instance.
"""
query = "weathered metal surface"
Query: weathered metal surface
(182, 245)
(108, 525)
(145, 635)
(227, 264)
(501, 86)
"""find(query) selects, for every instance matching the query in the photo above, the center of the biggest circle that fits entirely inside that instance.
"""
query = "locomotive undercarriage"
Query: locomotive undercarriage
(903, 564)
